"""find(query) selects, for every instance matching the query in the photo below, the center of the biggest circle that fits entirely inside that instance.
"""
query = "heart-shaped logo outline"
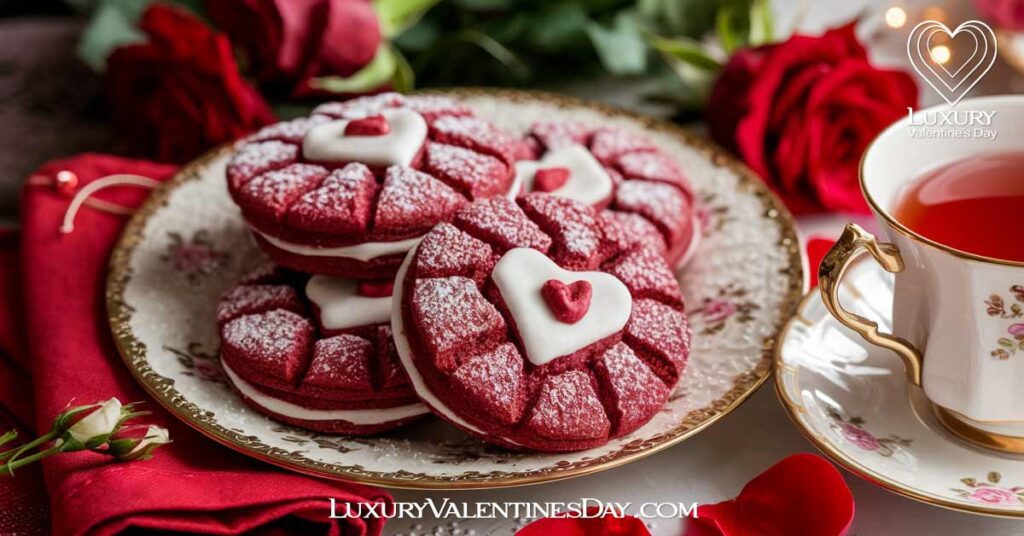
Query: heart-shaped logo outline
(952, 86)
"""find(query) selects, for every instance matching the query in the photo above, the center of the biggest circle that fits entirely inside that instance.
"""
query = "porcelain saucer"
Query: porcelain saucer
(852, 400)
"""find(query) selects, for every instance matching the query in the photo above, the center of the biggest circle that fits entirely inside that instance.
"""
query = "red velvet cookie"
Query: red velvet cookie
(622, 171)
(348, 190)
(532, 325)
(315, 353)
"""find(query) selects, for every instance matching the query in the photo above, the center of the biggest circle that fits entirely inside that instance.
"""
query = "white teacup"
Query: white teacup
(947, 323)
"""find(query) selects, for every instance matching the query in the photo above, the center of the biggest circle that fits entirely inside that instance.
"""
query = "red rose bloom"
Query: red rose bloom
(288, 42)
(180, 93)
(800, 113)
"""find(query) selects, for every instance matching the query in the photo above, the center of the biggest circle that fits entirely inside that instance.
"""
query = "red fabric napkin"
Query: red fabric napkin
(191, 485)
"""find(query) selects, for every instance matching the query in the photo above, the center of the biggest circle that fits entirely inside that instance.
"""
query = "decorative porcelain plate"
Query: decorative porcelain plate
(852, 400)
(188, 244)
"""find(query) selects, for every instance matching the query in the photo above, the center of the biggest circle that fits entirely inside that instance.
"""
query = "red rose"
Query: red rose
(180, 93)
(1006, 14)
(288, 42)
(801, 113)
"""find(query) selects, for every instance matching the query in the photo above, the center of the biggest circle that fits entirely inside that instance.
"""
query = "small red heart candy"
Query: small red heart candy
(376, 289)
(569, 303)
(550, 179)
(375, 125)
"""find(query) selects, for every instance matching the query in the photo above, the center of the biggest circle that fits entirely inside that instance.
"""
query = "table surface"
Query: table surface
(50, 107)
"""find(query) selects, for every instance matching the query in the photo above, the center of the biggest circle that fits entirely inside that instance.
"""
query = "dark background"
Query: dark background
(50, 103)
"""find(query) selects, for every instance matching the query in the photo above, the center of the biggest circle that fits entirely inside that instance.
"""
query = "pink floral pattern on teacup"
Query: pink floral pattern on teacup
(996, 306)
(852, 430)
(988, 492)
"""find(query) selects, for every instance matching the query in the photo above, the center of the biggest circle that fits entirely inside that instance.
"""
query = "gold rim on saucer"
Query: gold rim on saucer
(134, 353)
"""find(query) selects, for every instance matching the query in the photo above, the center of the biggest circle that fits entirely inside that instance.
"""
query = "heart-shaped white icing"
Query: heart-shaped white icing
(588, 181)
(328, 142)
(341, 305)
(519, 276)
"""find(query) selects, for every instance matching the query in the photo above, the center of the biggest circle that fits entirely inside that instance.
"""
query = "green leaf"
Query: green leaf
(557, 26)
(396, 16)
(387, 67)
(685, 50)
(497, 50)
(762, 24)
(113, 24)
(404, 79)
(1006, 343)
(730, 29)
(484, 5)
(621, 48)
(422, 36)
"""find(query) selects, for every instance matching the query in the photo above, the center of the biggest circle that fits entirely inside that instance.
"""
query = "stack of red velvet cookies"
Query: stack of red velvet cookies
(520, 287)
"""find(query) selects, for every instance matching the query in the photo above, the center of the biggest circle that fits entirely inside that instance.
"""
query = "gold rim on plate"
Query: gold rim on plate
(133, 351)
(794, 409)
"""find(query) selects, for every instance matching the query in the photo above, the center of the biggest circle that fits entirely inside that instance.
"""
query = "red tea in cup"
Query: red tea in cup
(974, 205)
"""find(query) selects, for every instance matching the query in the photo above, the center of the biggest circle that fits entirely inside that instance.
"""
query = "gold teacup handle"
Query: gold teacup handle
(854, 241)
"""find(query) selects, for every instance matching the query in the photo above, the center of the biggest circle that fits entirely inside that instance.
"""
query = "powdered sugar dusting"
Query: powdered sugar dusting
(665, 205)
(658, 329)
(453, 314)
(474, 174)
(645, 274)
(636, 392)
(249, 299)
(447, 251)
(411, 200)
(573, 226)
(342, 203)
(340, 362)
(567, 408)
(608, 143)
(272, 192)
(503, 224)
(255, 158)
(275, 341)
(493, 383)
(288, 131)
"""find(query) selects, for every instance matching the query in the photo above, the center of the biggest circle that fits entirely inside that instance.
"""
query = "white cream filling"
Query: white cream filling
(362, 252)
(294, 411)
(405, 354)
(365, 251)
(341, 306)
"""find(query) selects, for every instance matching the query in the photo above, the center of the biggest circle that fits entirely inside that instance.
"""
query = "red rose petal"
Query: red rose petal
(802, 494)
